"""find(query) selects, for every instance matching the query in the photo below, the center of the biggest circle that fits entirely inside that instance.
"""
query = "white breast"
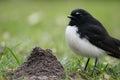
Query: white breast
(81, 46)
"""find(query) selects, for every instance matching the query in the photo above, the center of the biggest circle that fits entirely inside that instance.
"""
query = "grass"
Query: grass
(24, 25)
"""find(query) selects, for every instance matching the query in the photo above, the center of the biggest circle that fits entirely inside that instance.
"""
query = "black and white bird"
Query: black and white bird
(86, 36)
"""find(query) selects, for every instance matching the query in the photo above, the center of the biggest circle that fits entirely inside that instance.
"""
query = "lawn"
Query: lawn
(26, 24)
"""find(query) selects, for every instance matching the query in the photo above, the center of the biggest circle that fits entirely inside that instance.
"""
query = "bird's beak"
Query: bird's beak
(70, 16)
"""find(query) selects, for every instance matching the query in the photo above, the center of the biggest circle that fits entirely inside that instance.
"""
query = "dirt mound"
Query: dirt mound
(40, 65)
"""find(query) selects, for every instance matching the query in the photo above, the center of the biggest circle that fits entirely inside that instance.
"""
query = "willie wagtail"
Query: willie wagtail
(86, 36)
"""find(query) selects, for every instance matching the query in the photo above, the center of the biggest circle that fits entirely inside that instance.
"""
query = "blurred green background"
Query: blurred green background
(43, 23)
(25, 24)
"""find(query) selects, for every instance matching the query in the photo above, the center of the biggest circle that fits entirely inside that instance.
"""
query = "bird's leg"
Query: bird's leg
(96, 60)
(86, 64)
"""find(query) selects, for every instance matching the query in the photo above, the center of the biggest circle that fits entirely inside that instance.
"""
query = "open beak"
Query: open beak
(70, 16)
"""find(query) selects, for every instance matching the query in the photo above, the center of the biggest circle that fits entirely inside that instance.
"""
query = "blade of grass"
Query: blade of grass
(13, 54)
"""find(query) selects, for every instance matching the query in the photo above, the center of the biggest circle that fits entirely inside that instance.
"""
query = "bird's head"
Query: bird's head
(79, 16)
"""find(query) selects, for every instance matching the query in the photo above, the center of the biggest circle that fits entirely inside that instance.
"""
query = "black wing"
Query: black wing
(99, 37)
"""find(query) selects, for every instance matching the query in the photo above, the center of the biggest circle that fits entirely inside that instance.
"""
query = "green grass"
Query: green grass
(19, 35)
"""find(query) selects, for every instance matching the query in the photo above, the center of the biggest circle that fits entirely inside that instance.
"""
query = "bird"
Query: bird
(86, 36)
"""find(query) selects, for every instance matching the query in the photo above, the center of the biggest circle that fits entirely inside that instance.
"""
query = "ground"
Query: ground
(40, 65)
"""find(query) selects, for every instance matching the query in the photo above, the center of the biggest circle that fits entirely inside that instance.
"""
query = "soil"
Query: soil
(40, 65)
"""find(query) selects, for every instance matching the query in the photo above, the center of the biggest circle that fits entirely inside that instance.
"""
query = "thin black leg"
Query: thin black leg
(86, 64)
(96, 60)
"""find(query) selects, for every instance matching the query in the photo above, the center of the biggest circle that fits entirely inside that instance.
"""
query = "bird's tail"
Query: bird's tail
(117, 43)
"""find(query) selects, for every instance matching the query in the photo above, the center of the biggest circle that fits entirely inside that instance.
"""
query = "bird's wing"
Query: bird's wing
(98, 36)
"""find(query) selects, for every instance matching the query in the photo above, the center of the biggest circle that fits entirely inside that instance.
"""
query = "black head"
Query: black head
(79, 16)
